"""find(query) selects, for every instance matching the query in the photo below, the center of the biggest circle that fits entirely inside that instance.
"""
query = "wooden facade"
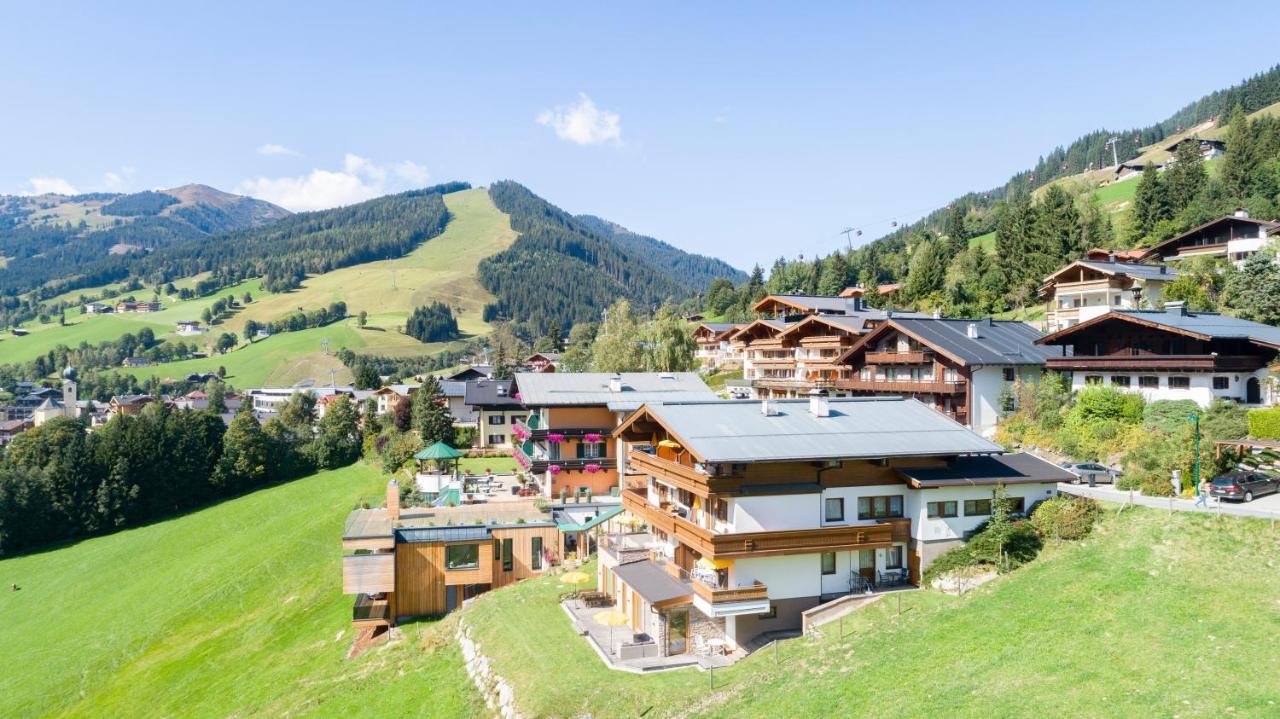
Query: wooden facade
(890, 360)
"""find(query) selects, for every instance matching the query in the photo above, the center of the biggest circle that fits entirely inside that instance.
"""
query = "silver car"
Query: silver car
(1091, 472)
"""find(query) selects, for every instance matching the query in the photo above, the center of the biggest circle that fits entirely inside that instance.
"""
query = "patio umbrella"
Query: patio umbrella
(611, 618)
(575, 578)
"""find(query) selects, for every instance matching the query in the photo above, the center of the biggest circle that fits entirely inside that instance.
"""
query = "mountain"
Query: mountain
(51, 240)
(564, 269)
(700, 268)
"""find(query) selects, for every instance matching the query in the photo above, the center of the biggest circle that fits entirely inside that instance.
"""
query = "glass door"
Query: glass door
(677, 631)
(867, 563)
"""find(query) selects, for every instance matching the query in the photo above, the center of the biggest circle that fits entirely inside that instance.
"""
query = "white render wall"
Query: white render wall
(800, 575)
(932, 530)
(775, 512)
(1201, 390)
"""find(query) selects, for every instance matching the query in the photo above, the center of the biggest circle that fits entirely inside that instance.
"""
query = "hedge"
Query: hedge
(1264, 423)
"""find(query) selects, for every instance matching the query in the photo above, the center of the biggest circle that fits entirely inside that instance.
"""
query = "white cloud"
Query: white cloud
(583, 123)
(43, 185)
(271, 149)
(359, 179)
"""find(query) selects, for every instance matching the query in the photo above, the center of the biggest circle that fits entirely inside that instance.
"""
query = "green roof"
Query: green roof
(439, 450)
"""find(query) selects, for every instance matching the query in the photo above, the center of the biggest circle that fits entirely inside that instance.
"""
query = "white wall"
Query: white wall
(776, 512)
(986, 384)
(787, 577)
(1201, 390)
(929, 530)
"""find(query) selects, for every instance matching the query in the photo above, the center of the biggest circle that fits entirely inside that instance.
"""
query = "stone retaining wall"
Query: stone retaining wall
(498, 694)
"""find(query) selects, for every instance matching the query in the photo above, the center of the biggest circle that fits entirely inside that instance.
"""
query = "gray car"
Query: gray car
(1091, 472)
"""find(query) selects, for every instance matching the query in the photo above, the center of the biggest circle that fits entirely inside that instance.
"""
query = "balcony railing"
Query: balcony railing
(902, 386)
(1141, 362)
(711, 590)
(368, 610)
(913, 357)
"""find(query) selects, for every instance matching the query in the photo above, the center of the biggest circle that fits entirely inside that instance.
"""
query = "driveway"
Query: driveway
(1267, 507)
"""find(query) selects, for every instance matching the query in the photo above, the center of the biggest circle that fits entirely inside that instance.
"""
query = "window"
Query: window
(553, 450)
(496, 420)
(1221, 382)
(1010, 374)
(1093, 379)
(508, 561)
(496, 439)
(462, 556)
(939, 510)
(893, 558)
(517, 418)
(950, 374)
(1179, 383)
(828, 562)
(864, 374)
(771, 614)
(1116, 300)
(590, 450)
(1120, 380)
(720, 508)
(880, 507)
(536, 554)
(977, 507)
(1017, 505)
(834, 510)
(1147, 381)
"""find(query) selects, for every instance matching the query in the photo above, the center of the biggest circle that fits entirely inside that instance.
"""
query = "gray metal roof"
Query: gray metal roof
(999, 342)
(1138, 270)
(443, 534)
(490, 393)
(992, 469)
(651, 581)
(453, 388)
(729, 431)
(1213, 324)
(557, 389)
(822, 303)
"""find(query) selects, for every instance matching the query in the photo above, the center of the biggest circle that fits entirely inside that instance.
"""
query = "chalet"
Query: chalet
(11, 428)
(454, 394)
(1172, 353)
(497, 411)
(195, 399)
(132, 306)
(470, 372)
(1232, 237)
(1209, 149)
(97, 308)
(135, 362)
(759, 511)
(190, 328)
(565, 440)
(960, 367)
(714, 348)
(1132, 169)
(388, 396)
(323, 402)
(129, 404)
(1094, 286)
(782, 306)
(427, 561)
(542, 361)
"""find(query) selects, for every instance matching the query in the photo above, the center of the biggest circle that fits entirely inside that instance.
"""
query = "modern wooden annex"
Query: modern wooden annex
(750, 512)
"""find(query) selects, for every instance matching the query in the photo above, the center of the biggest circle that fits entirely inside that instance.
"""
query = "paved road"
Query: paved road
(1267, 507)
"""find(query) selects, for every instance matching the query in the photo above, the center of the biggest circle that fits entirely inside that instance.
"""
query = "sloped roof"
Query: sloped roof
(453, 388)
(592, 389)
(490, 393)
(1019, 468)
(652, 582)
(1137, 270)
(1268, 226)
(999, 342)
(1205, 325)
(730, 431)
(815, 303)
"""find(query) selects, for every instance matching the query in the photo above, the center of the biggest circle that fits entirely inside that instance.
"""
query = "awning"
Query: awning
(654, 584)
(987, 470)
(565, 523)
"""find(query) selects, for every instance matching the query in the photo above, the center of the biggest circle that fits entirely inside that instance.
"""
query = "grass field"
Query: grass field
(235, 610)
(1152, 616)
(986, 242)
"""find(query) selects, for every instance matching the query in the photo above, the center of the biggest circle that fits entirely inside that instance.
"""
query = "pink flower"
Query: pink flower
(592, 468)
(555, 438)
(592, 437)
(554, 469)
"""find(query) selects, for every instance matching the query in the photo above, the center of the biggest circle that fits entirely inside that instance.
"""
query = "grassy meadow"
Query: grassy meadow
(234, 610)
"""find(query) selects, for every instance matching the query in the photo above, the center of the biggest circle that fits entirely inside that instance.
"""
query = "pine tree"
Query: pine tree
(556, 335)
(217, 394)
(833, 276)
(1187, 177)
(1241, 160)
(245, 451)
(1150, 204)
(928, 270)
(431, 415)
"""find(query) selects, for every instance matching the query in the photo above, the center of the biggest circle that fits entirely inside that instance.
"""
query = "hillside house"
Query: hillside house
(128, 404)
(497, 411)
(96, 308)
(135, 362)
(565, 440)
(541, 362)
(190, 328)
(1209, 149)
(1232, 237)
(960, 367)
(715, 351)
(133, 306)
(1172, 353)
(10, 428)
(758, 511)
(1091, 287)
(388, 396)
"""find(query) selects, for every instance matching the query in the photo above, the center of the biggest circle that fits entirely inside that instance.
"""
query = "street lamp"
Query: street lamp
(1194, 419)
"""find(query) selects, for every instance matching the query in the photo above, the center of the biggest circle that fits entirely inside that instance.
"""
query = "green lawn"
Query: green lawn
(1151, 616)
(476, 465)
(986, 242)
(235, 610)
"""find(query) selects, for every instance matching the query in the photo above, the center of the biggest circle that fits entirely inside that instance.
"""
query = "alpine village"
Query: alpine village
(455, 451)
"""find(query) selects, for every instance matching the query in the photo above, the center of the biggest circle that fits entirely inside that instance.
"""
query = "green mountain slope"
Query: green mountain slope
(235, 610)
(698, 268)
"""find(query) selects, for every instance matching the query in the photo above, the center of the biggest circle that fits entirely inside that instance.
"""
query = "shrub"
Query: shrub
(1065, 517)
(1169, 414)
(464, 437)
(1101, 403)
(1264, 423)
(1225, 420)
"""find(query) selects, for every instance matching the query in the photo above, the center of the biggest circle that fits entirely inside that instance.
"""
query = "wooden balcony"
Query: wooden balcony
(919, 357)
(370, 611)
(1155, 362)
(901, 387)
(673, 473)
(761, 544)
(368, 573)
(757, 591)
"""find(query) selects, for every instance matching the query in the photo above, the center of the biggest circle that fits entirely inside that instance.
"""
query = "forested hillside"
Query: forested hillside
(698, 268)
(563, 271)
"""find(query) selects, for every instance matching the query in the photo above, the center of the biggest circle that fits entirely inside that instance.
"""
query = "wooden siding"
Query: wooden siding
(482, 574)
(601, 417)
(419, 580)
(522, 552)
(368, 573)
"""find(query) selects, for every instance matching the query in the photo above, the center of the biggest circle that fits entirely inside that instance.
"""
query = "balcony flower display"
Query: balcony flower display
(516, 396)
(591, 437)
(519, 432)
(592, 468)
(555, 438)
(554, 469)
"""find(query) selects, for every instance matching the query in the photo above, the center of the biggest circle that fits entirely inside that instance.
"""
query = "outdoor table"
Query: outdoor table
(717, 645)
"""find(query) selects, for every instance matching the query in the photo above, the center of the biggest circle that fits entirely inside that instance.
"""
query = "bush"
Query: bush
(1107, 403)
(1225, 420)
(464, 437)
(1264, 423)
(1065, 517)
(1168, 415)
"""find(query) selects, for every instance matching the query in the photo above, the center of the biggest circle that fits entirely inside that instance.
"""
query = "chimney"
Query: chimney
(1176, 308)
(393, 500)
(937, 313)
(1164, 270)
(818, 405)
(1111, 256)
(1242, 213)
(615, 383)
(768, 408)
(971, 330)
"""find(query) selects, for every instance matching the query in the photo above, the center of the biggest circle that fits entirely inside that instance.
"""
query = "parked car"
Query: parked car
(1091, 472)
(1243, 485)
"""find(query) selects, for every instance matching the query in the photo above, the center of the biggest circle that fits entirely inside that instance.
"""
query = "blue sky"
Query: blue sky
(745, 131)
